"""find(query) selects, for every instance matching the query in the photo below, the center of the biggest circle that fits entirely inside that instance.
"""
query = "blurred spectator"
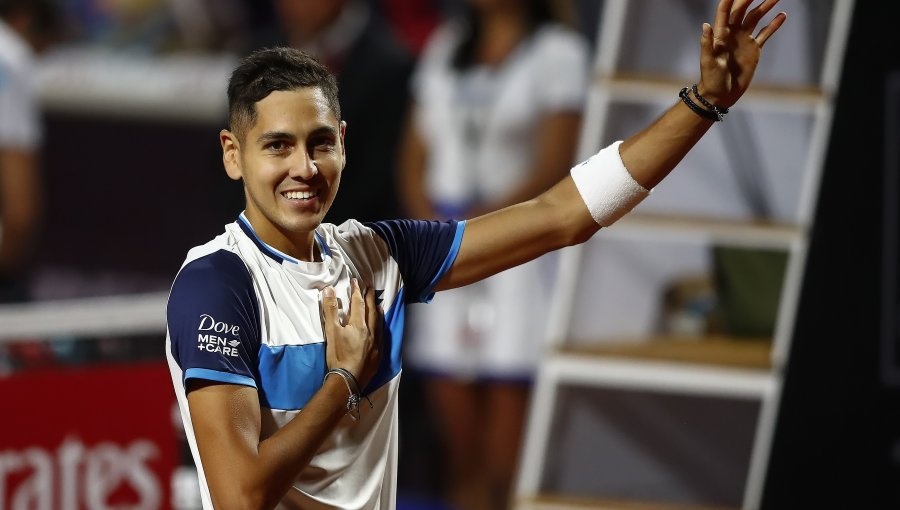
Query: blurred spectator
(26, 27)
(155, 27)
(217, 25)
(142, 26)
(412, 20)
(373, 72)
(498, 97)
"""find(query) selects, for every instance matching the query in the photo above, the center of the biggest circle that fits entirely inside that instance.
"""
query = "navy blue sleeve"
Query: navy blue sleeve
(213, 320)
(424, 250)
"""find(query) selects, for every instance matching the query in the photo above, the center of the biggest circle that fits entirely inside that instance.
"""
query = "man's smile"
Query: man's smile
(300, 195)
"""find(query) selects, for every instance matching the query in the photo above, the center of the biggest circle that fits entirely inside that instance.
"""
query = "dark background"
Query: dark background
(837, 444)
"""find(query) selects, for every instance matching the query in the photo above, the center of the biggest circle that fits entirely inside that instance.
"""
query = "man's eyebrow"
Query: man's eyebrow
(324, 130)
(271, 136)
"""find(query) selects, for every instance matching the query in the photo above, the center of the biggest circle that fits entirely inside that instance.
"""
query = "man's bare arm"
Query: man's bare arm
(242, 471)
(245, 471)
(729, 54)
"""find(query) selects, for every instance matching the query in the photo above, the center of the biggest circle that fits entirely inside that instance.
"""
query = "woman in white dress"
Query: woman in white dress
(498, 98)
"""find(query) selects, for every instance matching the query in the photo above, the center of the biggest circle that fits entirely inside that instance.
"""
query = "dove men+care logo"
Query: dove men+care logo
(215, 336)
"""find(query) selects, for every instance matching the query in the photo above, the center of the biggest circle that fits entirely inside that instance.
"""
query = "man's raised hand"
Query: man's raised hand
(729, 50)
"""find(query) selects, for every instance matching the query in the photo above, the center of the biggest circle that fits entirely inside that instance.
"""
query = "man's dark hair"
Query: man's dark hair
(267, 70)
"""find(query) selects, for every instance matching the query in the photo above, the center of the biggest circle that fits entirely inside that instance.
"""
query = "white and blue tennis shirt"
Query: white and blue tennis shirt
(241, 312)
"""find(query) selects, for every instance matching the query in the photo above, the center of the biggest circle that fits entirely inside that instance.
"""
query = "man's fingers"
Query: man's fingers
(720, 25)
(736, 17)
(330, 317)
(770, 29)
(373, 316)
(357, 312)
(723, 12)
(706, 45)
(757, 14)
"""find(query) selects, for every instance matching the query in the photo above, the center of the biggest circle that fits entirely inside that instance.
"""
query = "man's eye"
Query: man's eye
(324, 145)
(277, 146)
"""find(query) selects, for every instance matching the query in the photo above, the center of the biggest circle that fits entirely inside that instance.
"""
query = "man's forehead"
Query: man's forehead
(298, 107)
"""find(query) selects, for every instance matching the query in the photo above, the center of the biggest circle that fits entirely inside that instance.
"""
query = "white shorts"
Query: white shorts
(492, 329)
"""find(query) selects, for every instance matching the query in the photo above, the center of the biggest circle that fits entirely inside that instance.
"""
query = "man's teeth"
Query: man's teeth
(295, 195)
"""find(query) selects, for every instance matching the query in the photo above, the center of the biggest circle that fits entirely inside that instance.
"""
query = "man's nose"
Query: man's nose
(303, 167)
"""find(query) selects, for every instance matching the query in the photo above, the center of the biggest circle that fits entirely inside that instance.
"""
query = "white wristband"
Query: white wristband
(606, 187)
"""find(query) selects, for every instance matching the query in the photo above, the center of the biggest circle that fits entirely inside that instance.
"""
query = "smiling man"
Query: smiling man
(288, 393)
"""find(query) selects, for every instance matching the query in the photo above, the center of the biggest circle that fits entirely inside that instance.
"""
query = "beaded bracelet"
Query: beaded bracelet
(721, 111)
(706, 114)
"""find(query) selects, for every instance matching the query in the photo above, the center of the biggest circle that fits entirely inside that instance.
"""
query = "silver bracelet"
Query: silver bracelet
(352, 387)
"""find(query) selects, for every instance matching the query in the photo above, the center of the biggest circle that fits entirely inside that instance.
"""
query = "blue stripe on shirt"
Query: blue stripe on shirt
(290, 374)
(428, 294)
(424, 252)
(216, 375)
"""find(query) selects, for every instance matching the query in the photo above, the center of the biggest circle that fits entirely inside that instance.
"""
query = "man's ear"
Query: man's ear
(231, 154)
(343, 127)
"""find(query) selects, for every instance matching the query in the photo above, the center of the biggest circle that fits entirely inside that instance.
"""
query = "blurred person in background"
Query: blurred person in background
(412, 20)
(498, 100)
(373, 70)
(27, 27)
(138, 26)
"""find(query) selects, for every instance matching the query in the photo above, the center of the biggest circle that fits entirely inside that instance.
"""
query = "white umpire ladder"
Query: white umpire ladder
(626, 92)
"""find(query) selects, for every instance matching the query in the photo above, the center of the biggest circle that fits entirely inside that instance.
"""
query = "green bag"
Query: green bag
(748, 286)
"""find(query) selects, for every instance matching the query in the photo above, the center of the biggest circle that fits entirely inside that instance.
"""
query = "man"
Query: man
(26, 26)
(269, 365)
(360, 50)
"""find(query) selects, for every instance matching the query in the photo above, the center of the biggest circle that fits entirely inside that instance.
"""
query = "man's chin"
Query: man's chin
(304, 224)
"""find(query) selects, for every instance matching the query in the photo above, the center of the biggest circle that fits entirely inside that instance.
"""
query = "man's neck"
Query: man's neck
(299, 245)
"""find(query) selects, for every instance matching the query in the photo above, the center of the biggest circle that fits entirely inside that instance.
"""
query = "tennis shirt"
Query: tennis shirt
(241, 312)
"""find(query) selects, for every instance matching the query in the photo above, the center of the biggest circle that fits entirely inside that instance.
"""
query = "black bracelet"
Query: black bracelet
(699, 110)
(721, 111)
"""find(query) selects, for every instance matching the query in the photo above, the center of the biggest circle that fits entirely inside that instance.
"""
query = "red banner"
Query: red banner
(88, 439)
